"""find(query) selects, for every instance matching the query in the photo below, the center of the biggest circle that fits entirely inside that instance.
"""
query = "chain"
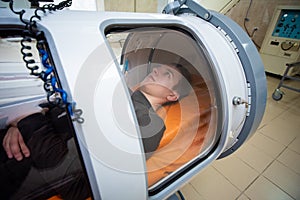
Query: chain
(55, 95)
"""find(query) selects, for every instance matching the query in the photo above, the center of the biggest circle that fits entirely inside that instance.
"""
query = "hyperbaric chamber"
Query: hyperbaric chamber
(99, 58)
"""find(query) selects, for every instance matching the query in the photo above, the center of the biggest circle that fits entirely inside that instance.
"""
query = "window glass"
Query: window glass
(50, 165)
(184, 129)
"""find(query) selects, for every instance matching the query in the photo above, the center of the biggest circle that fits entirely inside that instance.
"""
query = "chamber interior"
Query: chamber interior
(191, 122)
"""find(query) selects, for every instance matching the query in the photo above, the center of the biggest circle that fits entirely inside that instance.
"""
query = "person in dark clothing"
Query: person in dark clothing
(151, 125)
(38, 140)
(165, 84)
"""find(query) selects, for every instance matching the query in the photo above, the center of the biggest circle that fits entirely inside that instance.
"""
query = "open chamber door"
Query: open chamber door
(101, 59)
(227, 87)
(194, 122)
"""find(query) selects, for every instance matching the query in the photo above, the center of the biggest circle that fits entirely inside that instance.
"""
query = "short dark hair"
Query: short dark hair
(184, 86)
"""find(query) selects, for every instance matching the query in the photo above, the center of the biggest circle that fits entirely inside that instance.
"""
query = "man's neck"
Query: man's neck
(154, 101)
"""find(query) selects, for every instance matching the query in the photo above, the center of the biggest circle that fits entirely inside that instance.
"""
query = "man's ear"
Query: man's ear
(174, 96)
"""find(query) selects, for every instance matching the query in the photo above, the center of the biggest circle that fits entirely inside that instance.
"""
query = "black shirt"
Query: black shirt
(151, 125)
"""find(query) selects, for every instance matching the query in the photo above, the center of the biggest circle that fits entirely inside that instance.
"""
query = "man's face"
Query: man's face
(161, 81)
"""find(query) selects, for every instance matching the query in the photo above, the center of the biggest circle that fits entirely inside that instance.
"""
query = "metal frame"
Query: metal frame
(278, 94)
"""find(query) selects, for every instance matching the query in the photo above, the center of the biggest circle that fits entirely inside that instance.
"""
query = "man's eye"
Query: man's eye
(168, 74)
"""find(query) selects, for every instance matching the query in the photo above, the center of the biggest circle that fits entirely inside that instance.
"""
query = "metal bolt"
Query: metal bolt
(237, 100)
(206, 16)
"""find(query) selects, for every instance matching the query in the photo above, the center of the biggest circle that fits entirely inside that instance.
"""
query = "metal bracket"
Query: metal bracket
(192, 6)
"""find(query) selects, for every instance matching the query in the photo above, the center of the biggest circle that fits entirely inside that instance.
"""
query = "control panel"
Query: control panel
(288, 25)
(282, 41)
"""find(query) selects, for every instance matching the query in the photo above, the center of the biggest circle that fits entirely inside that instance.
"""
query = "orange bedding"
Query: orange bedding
(186, 127)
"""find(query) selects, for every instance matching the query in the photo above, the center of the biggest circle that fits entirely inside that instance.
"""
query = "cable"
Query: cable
(246, 19)
(55, 94)
(181, 195)
(291, 45)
